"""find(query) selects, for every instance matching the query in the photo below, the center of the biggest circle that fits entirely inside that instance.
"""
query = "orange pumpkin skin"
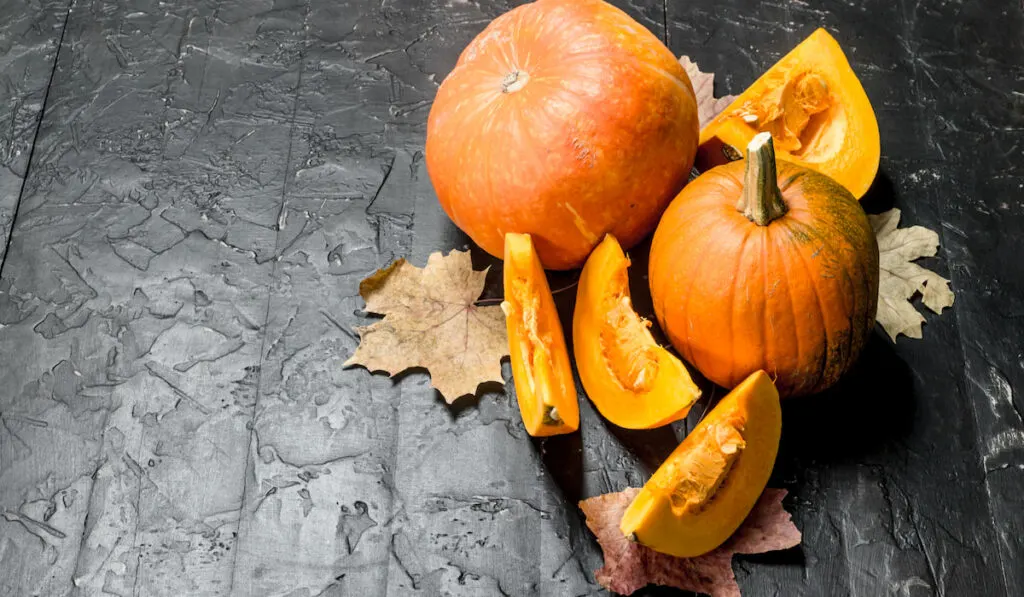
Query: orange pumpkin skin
(566, 120)
(795, 298)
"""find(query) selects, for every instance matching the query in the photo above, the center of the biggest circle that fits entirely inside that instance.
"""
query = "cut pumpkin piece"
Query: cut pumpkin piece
(816, 111)
(634, 383)
(540, 362)
(706, 488)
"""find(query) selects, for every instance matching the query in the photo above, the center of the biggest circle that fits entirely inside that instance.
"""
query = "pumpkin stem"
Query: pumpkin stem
(514, 81)
(761, 200)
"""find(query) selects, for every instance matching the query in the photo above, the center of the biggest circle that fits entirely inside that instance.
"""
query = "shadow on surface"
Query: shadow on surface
(486, 390)
(462, 403)
(869, 409)
(562, 456)
(881, 196)
(651, 446)
(493, 287)
(794, 556)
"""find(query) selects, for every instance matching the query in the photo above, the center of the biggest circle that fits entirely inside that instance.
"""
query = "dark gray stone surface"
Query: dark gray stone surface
(211, 180)
(909, 478)
(29, 38)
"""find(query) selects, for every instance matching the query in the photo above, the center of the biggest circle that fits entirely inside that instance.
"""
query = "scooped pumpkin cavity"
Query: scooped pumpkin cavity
(803, 115)
(627, 345)
(693, 481)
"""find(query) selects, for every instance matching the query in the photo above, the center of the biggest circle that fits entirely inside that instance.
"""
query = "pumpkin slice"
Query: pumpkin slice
(540, 362)
(633, 382)
(816, 111)
(706, 488)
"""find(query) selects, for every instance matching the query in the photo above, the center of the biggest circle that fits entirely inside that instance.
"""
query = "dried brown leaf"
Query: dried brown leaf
(431, 320)
(708, 106)
(629, 566)
(899, 279)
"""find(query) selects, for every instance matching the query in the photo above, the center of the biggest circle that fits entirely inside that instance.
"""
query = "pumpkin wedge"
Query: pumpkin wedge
(815, 109)
(706, 488)
(540, 362)
(631, 380)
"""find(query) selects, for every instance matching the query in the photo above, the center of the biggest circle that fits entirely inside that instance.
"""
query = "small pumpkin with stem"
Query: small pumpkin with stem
(765, 265)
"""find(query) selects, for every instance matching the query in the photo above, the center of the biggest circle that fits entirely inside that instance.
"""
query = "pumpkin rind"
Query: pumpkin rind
(705, 489)
(813, 91)
(564, 119)
(541, 371)
(796, 298)
(631, 380)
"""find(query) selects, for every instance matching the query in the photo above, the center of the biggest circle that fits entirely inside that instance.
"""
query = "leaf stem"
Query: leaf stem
(497, 300)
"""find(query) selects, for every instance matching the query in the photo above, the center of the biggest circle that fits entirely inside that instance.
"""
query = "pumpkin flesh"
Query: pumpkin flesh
(816, 111)
(564, 119)
(706, 488)
(795, 297)
(541, 371)
(631, 380)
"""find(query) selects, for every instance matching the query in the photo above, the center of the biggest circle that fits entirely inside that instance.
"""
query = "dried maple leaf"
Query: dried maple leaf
(899, 279)
(431, 320)
(708, 106)
(629, 566)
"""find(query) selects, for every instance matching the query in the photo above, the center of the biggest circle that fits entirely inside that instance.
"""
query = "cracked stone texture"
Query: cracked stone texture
(211, 180)
(29, 37)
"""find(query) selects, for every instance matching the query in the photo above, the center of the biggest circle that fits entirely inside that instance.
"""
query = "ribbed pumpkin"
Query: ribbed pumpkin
(757, 267)
(566, 120)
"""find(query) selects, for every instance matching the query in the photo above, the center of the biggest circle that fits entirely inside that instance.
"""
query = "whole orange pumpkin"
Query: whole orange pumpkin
(563, 119)
(756, 268)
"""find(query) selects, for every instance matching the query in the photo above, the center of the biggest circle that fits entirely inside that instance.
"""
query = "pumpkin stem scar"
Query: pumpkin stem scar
(761, 200)
(514, 81)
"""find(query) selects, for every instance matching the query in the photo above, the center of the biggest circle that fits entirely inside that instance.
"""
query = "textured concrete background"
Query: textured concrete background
(196, 189)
